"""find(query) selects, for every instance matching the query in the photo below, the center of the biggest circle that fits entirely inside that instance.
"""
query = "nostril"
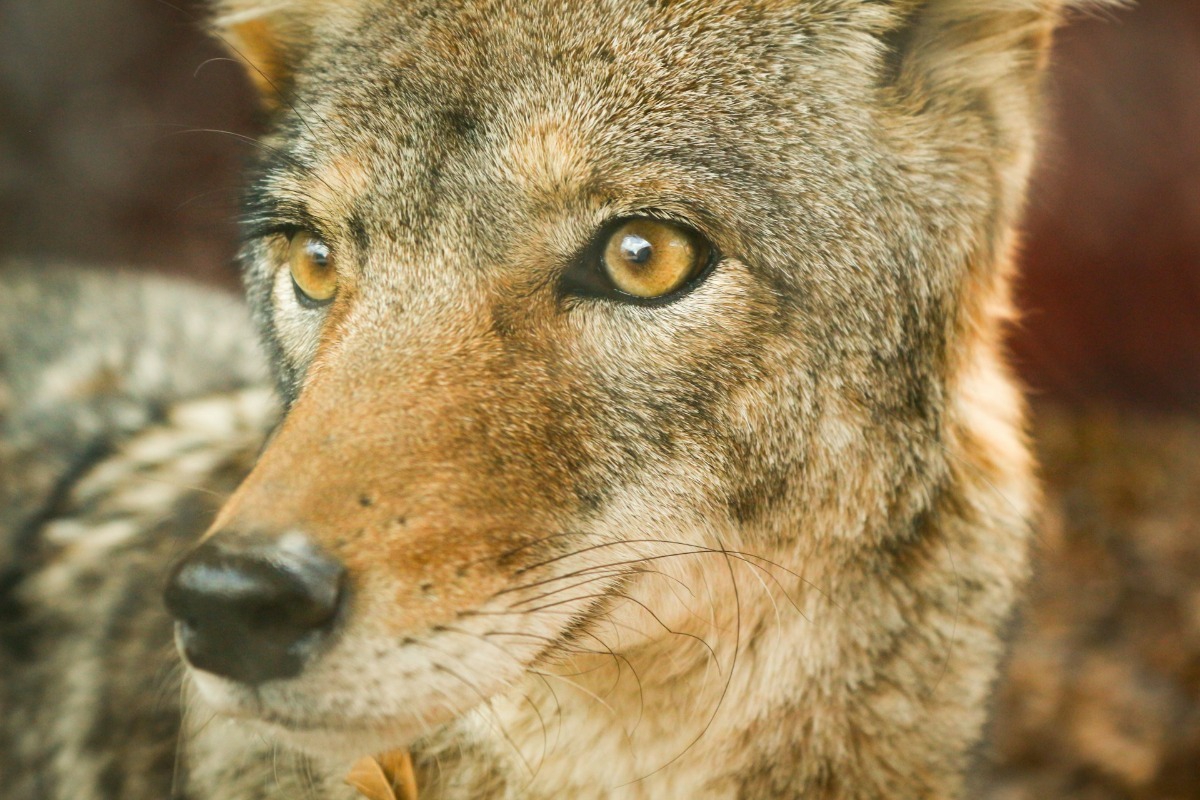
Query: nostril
(254, 610)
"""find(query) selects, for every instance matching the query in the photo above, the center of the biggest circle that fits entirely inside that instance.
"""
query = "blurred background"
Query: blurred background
(120, 143)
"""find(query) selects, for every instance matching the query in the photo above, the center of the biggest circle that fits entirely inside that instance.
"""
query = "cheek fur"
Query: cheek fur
(297, 329)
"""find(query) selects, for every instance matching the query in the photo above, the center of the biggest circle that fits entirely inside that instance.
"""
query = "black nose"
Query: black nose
(254, 610)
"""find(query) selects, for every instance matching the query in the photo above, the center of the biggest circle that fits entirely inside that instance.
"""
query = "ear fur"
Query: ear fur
(981, 57)
(975, 42)
(268, 36)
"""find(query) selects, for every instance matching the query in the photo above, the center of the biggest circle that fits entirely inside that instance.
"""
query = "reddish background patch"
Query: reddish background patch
(1111, 285)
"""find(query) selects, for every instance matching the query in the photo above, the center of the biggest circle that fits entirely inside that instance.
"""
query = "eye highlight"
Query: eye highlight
(312, 268)
(649, 258)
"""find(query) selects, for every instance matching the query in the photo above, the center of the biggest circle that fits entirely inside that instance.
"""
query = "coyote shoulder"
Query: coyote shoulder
(646, 430)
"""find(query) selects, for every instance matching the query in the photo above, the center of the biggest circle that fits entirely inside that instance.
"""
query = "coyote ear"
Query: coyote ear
(267, 36)
(983, 59)
(980, 42)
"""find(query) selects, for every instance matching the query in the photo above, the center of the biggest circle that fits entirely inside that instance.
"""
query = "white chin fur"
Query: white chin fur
(347, 745)
(219, 694)
(340, 740)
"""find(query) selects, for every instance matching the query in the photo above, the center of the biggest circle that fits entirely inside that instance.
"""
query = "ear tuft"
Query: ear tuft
(978, 62)
(266, 37)
(953, 40)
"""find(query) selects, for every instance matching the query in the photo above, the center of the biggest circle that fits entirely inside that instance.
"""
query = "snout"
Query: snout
(254, 609)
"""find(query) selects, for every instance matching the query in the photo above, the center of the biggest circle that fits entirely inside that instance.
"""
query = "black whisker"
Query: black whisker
(737, 644)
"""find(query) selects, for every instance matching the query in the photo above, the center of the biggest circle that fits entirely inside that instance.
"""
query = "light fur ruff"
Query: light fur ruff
(760, 542)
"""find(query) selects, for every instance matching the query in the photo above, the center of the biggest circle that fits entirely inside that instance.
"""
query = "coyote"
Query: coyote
(644, 425)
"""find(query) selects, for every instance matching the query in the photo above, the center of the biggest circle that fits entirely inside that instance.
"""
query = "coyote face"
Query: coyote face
(659, 336)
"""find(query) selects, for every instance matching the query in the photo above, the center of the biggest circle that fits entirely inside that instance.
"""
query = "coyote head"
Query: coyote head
(579, 305)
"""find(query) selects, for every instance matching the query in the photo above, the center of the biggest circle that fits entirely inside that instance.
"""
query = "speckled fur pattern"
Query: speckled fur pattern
(758, 542)
(130, 407)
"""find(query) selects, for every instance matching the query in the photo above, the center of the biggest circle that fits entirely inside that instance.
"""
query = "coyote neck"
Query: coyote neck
(739, 675)
(650, 700)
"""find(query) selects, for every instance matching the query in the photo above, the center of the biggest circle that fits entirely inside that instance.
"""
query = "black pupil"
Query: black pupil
(635, 249)
(318, 252)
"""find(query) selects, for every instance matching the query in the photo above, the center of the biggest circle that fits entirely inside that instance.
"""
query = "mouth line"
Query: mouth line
(257, 713)
(320, 725)
(251, 709)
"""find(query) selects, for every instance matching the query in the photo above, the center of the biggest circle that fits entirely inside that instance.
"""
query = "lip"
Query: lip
(338, 739)
(318, 735)
(315, 725)
(243, 704)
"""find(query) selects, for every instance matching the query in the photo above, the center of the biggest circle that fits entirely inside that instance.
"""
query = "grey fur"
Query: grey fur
(89, 357)
(110, 464)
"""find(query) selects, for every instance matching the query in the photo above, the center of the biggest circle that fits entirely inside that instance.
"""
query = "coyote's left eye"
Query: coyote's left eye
(312, 269)
(640, 260)
(649, 258)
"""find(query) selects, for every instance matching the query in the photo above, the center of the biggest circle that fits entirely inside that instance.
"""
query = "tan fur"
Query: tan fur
(760, 542)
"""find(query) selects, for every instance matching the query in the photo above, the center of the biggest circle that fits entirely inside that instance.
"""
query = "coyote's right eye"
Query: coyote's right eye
(312, 268)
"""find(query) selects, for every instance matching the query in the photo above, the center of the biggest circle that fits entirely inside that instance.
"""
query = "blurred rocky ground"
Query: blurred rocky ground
(1101, 699)
(121, 141)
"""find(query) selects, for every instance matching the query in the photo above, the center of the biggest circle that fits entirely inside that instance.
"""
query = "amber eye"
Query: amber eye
(649, 258)
(312, 268)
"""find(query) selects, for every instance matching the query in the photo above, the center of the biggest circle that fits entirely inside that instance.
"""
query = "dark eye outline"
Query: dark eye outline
(586, 275)
(302, 297)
